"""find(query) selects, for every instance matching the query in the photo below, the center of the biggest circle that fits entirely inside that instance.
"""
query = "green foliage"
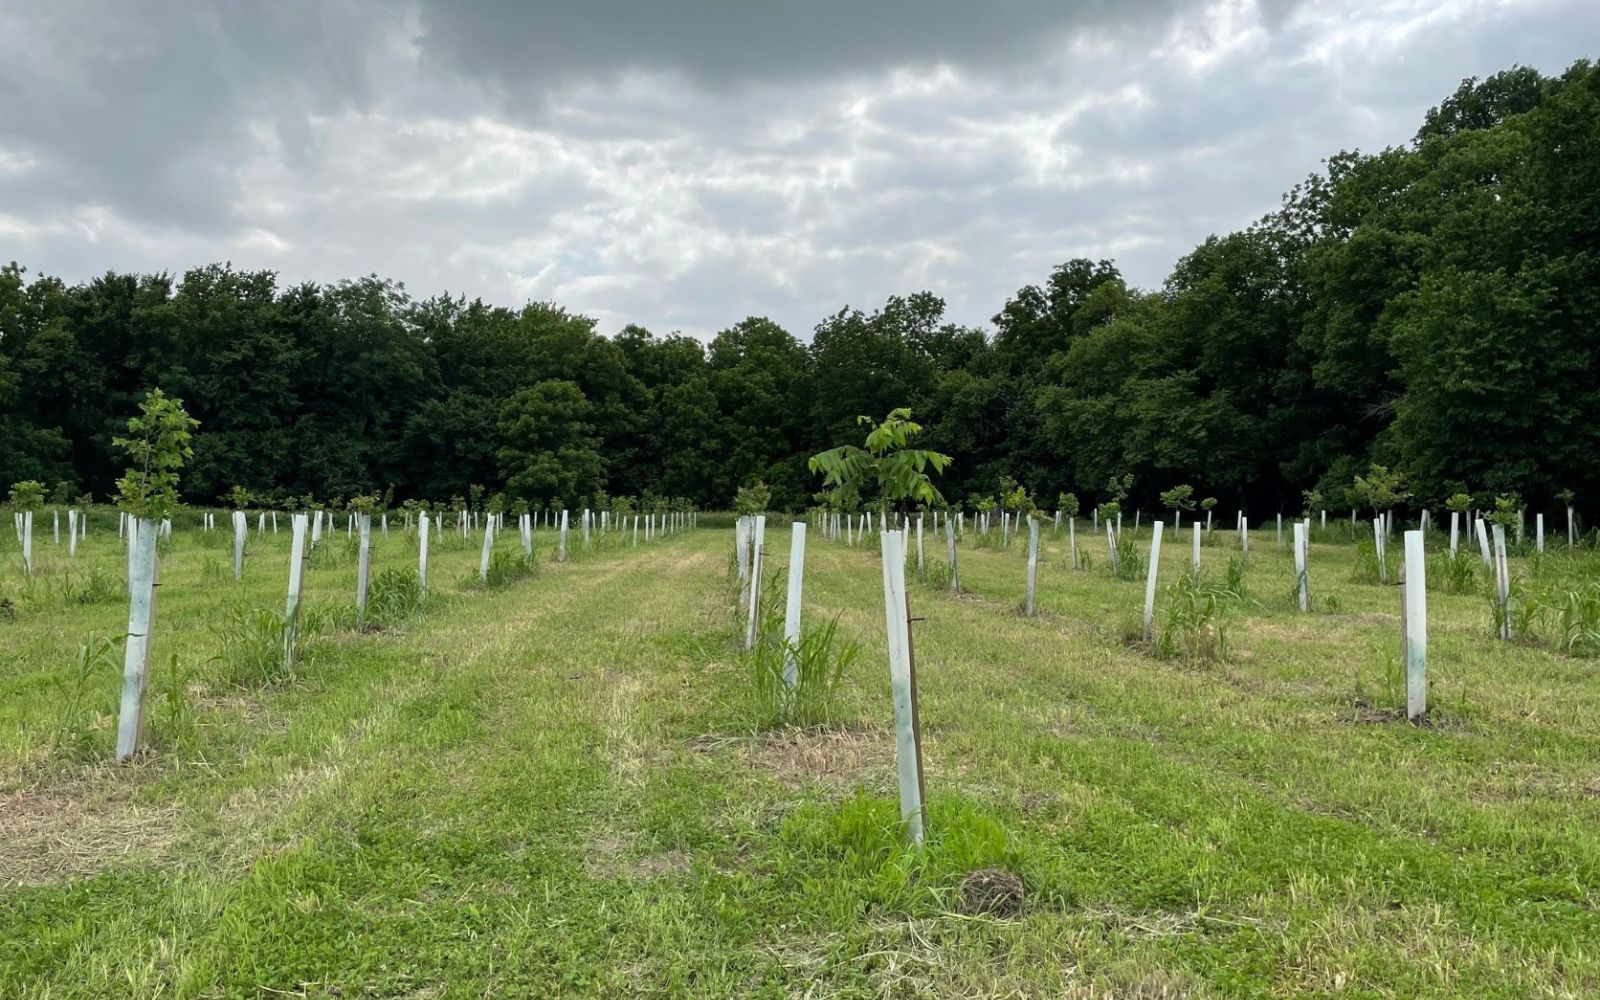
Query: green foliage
(886, 469)
(550, 447)
(174, 719)
(157, 444)
(1380, 488)
(1366, 567)
(1566, 614)
(1461, 503)
(1180, 497)
(1067, 503)
(27, 495)
(1131, 560)
(753, 498)
(1118, 488)
(1507, 511)
(1015, 497)
(239, 498)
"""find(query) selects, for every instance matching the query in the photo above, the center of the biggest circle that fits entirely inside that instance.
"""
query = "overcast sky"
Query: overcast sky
(685, 163)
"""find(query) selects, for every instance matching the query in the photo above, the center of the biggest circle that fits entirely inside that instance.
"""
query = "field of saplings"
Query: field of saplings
(706, 758)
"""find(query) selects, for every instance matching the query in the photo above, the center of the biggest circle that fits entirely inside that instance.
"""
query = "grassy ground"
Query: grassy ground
(557, 786)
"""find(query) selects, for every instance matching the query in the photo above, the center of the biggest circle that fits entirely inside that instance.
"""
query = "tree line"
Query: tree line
(1432, 308)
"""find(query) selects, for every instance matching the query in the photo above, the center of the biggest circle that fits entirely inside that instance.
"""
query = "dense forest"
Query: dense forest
(1432, 307)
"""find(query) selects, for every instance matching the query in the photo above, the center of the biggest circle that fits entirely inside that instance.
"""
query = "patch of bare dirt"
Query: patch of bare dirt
(992, 892)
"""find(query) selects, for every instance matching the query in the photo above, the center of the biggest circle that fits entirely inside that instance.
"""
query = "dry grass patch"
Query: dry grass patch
(615, 856)
(839, 759)
(49, 837)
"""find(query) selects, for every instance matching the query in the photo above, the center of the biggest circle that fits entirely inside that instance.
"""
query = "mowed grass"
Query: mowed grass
(555, 787)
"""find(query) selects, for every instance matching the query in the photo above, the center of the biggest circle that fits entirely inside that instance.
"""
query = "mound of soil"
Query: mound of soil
(992, 892)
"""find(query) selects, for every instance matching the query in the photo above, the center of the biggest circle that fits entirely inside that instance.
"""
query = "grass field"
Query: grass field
(557, 786)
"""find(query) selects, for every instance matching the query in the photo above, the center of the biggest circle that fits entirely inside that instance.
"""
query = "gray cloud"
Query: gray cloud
(729, 43)
(684, 164)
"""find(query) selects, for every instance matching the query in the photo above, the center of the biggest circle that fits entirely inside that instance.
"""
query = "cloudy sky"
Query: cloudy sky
(685, 163)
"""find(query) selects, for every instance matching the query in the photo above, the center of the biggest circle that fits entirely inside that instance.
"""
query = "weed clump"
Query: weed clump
(817, 662)
(1198, 616)
(394, 596)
